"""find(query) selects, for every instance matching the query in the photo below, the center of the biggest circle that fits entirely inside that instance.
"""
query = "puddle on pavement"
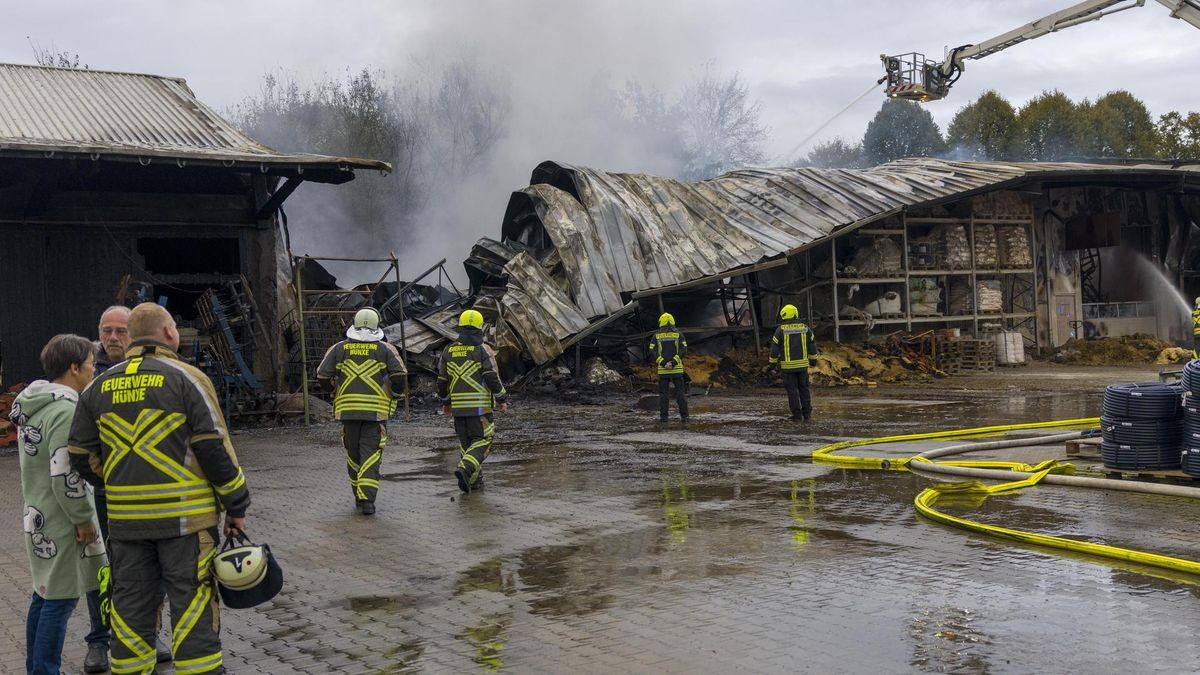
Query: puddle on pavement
(488, 639)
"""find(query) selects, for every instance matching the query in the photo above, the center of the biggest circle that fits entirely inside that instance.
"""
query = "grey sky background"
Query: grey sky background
(802, 59)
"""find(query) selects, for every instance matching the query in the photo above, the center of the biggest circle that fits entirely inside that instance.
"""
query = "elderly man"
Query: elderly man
(113, 332)
(114, 337)
(154, 428)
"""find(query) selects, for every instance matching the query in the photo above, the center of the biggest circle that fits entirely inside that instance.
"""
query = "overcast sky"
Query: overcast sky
(804, 60)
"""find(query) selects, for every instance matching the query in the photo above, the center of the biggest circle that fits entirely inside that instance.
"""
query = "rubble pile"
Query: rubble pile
(1128, 350)
(837, 365)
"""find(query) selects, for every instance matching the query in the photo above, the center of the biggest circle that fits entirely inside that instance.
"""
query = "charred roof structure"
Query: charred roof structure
(909, 244)
(121, 187)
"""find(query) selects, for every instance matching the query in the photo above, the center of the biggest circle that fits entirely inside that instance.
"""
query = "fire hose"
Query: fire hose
(1016, 476)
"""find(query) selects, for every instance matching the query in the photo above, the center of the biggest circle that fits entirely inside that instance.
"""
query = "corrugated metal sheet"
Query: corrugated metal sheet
(621, 233)
(100, 112)
(538, 311)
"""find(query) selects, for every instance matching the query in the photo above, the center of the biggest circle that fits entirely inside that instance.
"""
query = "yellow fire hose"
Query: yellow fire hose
(975, 492)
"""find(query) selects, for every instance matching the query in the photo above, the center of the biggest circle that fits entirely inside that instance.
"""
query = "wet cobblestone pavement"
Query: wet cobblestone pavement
(603, 544)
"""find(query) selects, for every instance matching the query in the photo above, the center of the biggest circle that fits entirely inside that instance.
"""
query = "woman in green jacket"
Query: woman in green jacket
(60, 525)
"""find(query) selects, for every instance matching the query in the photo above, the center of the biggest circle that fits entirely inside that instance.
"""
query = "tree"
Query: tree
(719, 125)
(901, 129)
(835, 154)
(985, 129)
(1117, 125)
(1179, 136)
(1049, 128)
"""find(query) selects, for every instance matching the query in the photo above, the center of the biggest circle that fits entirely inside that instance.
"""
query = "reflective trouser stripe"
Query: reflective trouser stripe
(475, 444)
(144, 657)
(364, 474)
(185, 624)
(203, 664)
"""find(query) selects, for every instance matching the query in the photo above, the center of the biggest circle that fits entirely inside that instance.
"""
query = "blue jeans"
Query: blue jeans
(98, 635)
(45, 632)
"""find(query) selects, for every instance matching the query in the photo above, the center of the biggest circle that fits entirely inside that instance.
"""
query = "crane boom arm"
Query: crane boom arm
(914, 77)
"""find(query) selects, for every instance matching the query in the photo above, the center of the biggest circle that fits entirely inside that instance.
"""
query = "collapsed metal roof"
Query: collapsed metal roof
(604, 237)
(45, 112)
(622, 233)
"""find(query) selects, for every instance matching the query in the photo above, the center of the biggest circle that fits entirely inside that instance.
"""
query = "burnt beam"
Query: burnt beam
(283, 192)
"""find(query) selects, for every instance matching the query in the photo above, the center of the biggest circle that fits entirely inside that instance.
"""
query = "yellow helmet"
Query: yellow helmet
(471, 318)
(666, 320)
(788, 312)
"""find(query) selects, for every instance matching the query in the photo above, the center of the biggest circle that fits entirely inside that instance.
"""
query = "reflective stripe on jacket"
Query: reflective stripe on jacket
(363, 373)
(151, 427)
(792, 346)
(467, 377)
(668, 346)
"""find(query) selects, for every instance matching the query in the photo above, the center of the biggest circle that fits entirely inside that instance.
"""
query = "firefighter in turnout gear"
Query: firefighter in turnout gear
(470, 388)
(668, 348)
(1196, 330)
(151, 429)
(367, 377)
(792, 347)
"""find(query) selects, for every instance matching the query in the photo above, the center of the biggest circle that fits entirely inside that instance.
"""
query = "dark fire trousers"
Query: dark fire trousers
(798, 391)
(664, 396)
(474, 443)
(141, 569)
(364, 441)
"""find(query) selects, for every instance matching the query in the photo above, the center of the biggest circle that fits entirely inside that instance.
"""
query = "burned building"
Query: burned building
(1044, 250)
(122, 187)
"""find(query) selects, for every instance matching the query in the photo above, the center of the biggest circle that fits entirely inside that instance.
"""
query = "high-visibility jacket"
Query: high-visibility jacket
(792, 346)
(1196, 321)
(367, 377)
(467, 377)
(152, 430)
(668, 346)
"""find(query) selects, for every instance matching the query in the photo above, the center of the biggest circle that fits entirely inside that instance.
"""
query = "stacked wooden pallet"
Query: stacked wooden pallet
(957, 355)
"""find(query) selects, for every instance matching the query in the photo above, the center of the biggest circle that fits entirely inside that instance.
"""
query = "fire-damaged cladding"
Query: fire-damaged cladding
(117, 188)
(580, 242)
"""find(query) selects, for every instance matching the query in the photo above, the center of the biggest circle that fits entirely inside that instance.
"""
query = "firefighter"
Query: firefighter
(470, 389)
(367, 377)
(1196, 330)
(153, 429)
(792, 346)
(668, 348)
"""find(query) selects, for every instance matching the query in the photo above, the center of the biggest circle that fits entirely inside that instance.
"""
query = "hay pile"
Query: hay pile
(1140, 349)
(836, 365)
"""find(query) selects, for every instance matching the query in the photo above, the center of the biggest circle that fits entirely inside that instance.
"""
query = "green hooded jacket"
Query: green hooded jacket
(56, 498)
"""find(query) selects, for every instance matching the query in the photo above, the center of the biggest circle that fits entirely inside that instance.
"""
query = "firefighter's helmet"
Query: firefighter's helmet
(247, 574)
(1197, 303)
(471, 318)
(666, 320)
(788, 312)
(366, 318)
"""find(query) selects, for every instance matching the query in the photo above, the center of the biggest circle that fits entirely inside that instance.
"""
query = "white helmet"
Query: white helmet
(1197, 303)
(247, 575)
(366, 318)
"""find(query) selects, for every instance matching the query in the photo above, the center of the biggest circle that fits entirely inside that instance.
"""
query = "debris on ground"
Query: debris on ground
(1137, 349)
(838, 364)
(597, 374)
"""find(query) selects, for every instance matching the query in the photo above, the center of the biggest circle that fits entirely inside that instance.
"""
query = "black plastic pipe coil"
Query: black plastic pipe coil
(1190, 461)
(1142, 433)
(1139, 457)
(1150, 401)
(1190, 379)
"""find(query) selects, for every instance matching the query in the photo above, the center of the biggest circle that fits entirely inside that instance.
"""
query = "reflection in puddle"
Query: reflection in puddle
(945, 640)
(673, 508)
(487, 637)
(801, 510)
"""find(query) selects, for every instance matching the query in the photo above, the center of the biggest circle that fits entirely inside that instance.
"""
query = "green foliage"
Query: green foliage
(1116, 125)
(984, 130)
(1049, 128)
(901, 129)
(836, 154)
(1179, 136)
